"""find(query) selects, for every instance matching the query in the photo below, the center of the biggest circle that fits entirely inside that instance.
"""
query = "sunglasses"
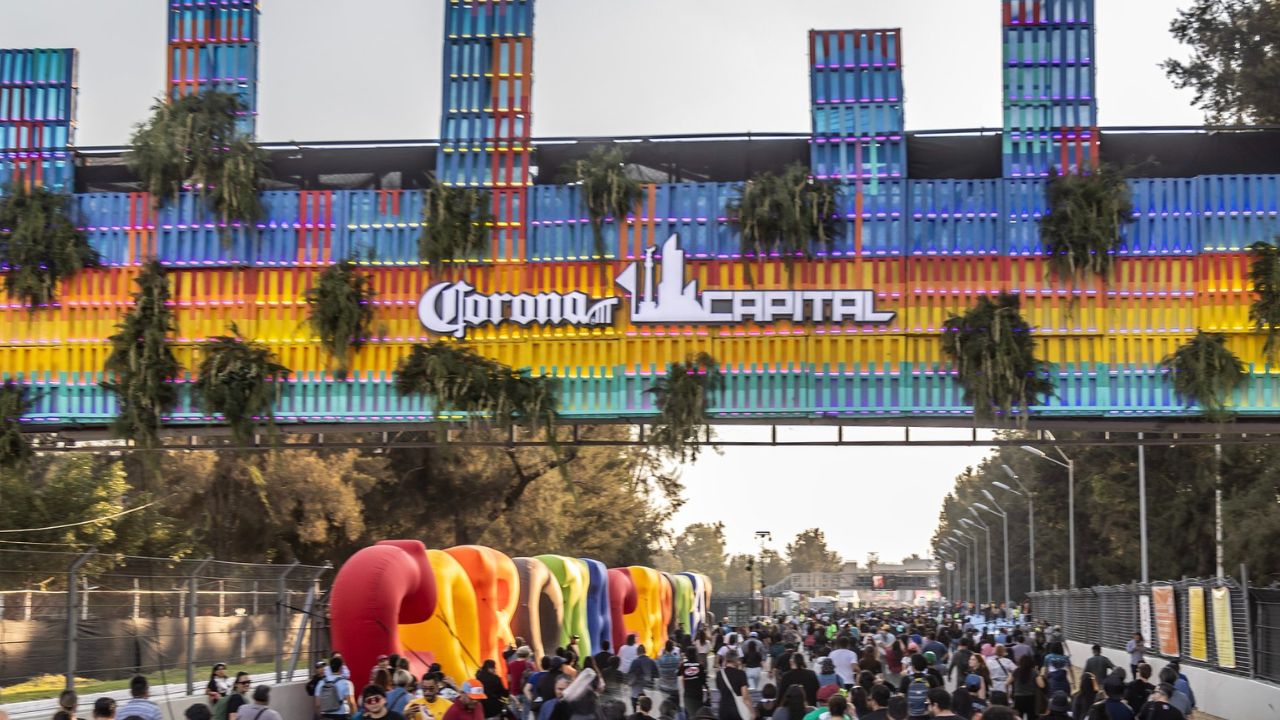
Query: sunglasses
(245, 682)
(372, 700)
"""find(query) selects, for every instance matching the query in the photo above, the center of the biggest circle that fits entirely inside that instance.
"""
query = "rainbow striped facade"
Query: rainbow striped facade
(37, 117)
(925, 248)
(213, 46)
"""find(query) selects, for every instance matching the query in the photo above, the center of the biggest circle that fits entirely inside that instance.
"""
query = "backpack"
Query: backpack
(220, 708)
(752, 657)
(331, 703)
(918, 697)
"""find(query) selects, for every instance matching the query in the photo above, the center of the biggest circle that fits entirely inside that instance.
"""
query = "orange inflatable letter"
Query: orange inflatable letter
(496, 584)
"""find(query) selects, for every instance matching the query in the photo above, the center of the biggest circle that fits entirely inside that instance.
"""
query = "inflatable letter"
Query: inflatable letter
(451, 635)
(496, 584)
(667, 598)
(646, 621)
(540, 609)
(599, 620)
(377, 590)
(571, 574)
(682, 602)
(698, 610)
(622, 602)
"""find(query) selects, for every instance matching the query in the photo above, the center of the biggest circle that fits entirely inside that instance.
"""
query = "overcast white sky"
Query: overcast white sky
(370, 70)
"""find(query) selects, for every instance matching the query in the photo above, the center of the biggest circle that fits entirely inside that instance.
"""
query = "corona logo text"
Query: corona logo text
(659, 296)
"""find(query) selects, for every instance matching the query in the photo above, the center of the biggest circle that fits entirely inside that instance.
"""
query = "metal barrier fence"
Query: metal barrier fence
(107, 617)
(1109, 615)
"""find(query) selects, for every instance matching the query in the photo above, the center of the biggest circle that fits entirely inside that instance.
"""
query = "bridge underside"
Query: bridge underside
(788, 432)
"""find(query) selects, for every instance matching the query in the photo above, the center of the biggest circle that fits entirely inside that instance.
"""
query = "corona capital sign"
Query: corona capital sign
(659, 296)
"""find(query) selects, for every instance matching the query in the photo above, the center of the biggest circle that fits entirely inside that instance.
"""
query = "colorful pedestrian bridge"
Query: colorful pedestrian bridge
(851, 335)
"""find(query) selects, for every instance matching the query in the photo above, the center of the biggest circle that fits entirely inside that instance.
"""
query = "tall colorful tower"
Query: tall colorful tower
(485, 125)
(213, 46)
(1050, 107)
(856, 104)
(37, 117)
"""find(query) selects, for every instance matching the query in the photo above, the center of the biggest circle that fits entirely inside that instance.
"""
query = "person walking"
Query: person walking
(735, 695)
(1134, 647)
(693, 681)
(140, 704)
(260, 709)
(643, 670)
(334, 694)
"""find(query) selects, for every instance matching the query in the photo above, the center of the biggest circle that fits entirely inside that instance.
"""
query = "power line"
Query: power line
(83, 522)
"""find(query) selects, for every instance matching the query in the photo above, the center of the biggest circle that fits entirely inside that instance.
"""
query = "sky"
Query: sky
(370, 70)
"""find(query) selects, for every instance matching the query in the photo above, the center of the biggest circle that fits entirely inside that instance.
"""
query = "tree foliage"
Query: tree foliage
(194, 143)
(40, 245)
(1204, 370)
(340, 312)
(1264, 311)
(607, 190)
(993, 351)
(809, 553)
(485, 390)
(700, 547)
(788, 215)
(240, 380)
(457, 224)
(141, 368)
(1235, 59)
(1180, 492)
(1081, 230)
(15, 401)
(683, 396)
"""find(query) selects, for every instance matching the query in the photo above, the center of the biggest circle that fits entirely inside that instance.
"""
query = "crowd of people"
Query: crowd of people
(835, 665)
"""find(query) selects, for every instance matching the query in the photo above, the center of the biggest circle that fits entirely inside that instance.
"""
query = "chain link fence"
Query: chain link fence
(106, 617)
(1109, 616)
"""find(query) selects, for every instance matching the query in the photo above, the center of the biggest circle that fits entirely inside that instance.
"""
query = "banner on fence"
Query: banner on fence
(1222, 627)
(1199, 649)
(1166, 619)
(1144, 619)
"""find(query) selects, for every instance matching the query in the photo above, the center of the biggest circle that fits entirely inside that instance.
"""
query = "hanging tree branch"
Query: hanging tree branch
(15, 401)
(340, 312)
(993, 351)
(141, 368)
(1081, 230)
(1203, 370)
(1264, 311)
(241, 381)
(457, 224)
(683, 396)
(607, 190)
(40, 245)
(788, 215)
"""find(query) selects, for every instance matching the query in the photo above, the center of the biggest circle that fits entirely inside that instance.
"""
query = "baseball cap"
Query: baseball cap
(474, 690)
(826, 691)
(755, 634)
(930, 657)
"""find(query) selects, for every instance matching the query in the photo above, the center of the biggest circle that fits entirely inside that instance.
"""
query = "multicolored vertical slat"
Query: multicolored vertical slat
(37, 117)
(485, 127)
(213, 46)
(856, 91)
(1050, 107)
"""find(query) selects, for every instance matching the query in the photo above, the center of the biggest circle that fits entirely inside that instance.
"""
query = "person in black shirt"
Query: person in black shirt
(878, 704)
(1139, 691)
(731, 681)
(801, 675)
(693, 681)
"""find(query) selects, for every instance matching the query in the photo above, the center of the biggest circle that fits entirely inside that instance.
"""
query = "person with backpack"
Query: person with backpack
(335, 696)
(753, 659)
(260, 709)
(916, 684)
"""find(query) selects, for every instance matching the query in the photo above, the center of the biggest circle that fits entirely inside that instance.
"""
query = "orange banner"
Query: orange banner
(1166, 619)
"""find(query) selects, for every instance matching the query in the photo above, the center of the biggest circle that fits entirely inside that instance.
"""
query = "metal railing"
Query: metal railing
(1109, 615)
(108, 617)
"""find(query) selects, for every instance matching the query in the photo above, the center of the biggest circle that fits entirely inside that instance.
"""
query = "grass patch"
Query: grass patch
(48, 687)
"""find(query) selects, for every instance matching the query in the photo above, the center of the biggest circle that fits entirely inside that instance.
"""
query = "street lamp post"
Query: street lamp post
(1008, 596)
(1070, 465)
(978, 523)
(971, 574)
(1031, 516)
(762, 536)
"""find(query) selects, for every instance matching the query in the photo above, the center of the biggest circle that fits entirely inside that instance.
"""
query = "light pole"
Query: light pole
(971, 574)
(1070, 465)
(954, 571)
(977, 523)
(762, 536)
(1031, 516)
(1008, 596)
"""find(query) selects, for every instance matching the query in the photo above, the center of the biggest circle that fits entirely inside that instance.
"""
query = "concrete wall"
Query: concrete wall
(1220, 694)
(289, 699)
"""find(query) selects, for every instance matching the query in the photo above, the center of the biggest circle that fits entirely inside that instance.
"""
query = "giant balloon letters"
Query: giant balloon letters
(464, 605)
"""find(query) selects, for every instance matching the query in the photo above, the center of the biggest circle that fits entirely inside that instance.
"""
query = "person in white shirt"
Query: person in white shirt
(730, 644)
(627, 654)
(844, 659)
